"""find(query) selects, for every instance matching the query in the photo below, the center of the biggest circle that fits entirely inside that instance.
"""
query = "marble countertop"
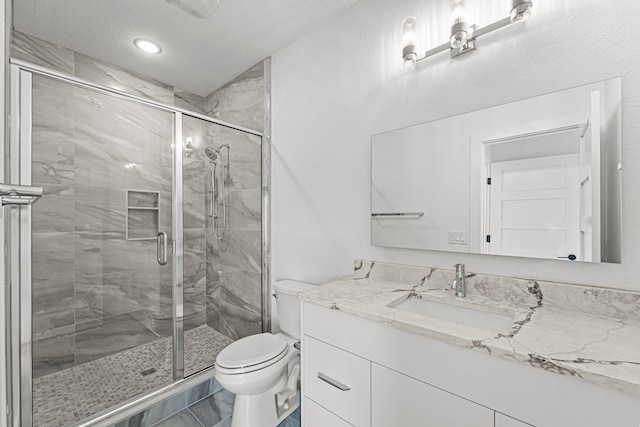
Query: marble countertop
(585, 332)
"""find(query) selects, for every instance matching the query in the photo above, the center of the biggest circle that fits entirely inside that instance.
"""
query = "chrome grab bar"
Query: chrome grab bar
(162, 248)
(19, 195)
(392, 214)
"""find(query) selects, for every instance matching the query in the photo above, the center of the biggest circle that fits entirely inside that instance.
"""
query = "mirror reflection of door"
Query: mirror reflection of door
(544, 192)
(534, 206)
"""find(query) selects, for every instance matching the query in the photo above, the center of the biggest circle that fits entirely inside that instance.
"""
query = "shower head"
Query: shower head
(211, 154)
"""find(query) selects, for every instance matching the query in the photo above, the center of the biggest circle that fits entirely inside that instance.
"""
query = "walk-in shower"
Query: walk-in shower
(103, 312)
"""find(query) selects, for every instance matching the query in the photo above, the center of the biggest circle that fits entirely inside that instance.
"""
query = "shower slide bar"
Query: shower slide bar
(394, 214)
(19, 195)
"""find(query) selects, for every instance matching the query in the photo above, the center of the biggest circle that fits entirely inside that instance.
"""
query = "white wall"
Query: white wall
(343, 82)
(422, 168)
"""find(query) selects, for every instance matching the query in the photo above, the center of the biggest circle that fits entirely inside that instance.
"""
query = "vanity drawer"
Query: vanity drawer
(314, 415)
(337, 380)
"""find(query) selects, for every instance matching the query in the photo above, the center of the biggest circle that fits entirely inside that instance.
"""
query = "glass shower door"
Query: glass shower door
(222, 190)
(102, 280)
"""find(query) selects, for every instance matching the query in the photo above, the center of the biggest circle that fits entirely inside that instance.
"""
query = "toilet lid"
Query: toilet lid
(251, 351)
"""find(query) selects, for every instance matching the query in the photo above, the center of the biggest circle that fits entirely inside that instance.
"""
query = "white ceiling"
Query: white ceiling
(199, 55)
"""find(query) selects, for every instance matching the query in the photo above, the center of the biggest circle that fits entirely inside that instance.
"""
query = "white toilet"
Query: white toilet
(263, 370)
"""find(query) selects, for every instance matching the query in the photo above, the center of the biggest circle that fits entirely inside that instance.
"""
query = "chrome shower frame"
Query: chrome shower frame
(16, 282)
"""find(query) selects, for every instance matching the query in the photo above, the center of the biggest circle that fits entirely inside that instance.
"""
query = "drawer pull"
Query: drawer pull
(333, 382)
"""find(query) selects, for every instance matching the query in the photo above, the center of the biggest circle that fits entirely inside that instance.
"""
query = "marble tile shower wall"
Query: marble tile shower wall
(233, 279)
(91, 285)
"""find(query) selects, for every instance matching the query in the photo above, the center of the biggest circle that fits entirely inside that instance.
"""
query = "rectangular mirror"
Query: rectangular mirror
(538, 178)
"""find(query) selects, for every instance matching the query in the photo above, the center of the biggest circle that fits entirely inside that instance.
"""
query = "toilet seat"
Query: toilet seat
(251, 353)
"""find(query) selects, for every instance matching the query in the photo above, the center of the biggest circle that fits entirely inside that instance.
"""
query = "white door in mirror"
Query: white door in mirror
(534, 207)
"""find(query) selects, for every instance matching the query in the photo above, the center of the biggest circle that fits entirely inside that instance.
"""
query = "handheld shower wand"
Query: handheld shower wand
(213, 156)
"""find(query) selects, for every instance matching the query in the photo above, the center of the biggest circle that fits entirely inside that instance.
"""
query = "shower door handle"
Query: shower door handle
(162, 248)
(19, 195)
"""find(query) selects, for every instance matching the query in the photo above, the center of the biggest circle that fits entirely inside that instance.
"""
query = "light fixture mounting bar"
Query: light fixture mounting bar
(434, 51)
(471, 43)
(492, 27)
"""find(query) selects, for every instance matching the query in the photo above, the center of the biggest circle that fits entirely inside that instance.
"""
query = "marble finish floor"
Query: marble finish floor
(215, 411)
(68, 396)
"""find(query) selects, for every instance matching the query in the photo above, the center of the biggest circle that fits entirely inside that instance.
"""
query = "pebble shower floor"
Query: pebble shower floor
(66, 397)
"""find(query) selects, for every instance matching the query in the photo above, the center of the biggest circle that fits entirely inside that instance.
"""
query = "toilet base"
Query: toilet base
(260, 410)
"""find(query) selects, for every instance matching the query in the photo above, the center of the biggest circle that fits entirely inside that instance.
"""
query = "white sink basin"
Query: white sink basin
(467, 316)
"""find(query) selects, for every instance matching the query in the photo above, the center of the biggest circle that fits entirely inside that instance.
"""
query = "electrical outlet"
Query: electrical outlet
(458, 237)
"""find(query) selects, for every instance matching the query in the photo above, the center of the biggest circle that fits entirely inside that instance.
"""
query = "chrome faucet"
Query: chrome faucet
(459, 285)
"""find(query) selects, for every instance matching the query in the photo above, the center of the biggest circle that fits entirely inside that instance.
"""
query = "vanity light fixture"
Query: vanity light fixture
(463, 37)
(521, 10)
(459, 27)
(409, 37)
(147, 46)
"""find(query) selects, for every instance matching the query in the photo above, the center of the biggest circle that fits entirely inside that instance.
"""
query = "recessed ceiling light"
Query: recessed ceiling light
(147, 46)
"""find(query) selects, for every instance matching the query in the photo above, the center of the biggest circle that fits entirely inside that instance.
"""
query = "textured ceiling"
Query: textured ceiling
(199, 55)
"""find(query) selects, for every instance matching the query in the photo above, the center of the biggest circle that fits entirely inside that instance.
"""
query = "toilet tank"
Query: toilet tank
(288, 306)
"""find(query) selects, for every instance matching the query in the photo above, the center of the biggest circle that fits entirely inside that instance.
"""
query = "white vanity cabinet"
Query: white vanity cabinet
(315, 415)
(338, 380)
(399, 400)
(377, 375)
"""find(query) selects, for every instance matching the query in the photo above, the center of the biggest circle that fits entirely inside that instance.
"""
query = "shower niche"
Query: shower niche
(143, 215)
